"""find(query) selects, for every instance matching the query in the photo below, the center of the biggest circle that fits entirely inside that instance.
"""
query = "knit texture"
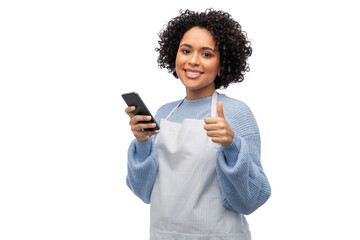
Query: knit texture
(243, 183)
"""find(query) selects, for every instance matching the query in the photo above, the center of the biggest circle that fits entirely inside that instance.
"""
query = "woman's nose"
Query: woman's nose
(194, 59)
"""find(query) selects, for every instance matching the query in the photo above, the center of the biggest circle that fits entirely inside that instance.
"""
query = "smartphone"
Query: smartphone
(133, 99)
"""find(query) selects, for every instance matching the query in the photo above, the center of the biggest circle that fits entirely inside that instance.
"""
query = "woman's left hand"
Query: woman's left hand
(218, 128)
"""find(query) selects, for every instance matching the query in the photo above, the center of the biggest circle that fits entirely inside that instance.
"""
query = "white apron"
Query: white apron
(186, 200)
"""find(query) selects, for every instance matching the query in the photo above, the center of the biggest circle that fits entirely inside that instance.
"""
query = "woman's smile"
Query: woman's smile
(192, 73)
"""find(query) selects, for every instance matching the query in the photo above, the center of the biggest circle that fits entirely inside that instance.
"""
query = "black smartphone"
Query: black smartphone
(133, 99)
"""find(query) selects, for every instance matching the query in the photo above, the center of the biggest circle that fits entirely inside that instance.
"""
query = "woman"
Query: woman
(201, 172)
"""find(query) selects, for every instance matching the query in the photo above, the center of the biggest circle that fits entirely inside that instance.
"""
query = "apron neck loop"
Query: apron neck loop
(172, 111)
(213, 105)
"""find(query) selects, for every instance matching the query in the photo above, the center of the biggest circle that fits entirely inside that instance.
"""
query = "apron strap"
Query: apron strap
(172, 111)
(213, 105)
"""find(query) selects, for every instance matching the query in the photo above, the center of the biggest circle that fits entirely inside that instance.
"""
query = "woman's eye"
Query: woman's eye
(207, 55)
(186, 51)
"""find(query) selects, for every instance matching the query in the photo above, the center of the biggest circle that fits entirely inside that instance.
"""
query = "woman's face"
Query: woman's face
(198, 62)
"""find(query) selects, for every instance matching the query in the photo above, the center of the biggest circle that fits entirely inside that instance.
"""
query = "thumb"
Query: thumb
(220, 110)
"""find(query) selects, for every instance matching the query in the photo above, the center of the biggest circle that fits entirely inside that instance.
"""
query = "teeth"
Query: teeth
(193, 72)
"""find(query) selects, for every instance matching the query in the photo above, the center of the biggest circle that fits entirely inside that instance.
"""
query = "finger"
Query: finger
(220, 110)
(216, 133)
(129, 111)
(217, 140)
(154, 132)
(211, 126)
(218, 123)
(211, 120)
(139, 118)
(141, 126)
(146, 133)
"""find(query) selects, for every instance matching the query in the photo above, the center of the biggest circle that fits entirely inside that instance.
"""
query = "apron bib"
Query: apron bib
(186, 200)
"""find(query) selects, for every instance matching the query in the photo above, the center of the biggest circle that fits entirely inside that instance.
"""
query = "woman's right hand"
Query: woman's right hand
(138, 128)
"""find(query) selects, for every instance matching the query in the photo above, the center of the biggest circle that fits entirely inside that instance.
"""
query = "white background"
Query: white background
(64, 134)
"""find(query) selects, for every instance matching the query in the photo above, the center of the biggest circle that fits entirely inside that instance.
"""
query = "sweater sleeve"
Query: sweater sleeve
(142, 168)
(244, 185)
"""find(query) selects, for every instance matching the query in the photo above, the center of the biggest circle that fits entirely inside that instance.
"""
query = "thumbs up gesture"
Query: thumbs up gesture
(218, 128)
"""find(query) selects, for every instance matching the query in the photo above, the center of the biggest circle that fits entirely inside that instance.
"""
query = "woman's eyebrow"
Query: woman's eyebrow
(186, 45)
(208, 48)
(203, 48)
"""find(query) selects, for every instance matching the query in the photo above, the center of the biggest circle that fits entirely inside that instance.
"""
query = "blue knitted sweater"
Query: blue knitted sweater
(243, 183)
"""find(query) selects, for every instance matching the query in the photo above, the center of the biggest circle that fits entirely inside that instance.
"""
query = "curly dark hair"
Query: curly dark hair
(230, 40)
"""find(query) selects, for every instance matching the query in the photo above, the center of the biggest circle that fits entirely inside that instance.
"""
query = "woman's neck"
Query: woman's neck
(194, 94)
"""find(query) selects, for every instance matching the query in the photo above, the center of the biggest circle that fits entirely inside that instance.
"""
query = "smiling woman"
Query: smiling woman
(202, 172)
(198, 63)
(230, 42)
